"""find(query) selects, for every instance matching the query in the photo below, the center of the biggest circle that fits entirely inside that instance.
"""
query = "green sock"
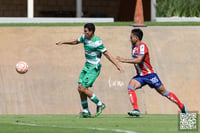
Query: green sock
(84, 104)
(94, 99)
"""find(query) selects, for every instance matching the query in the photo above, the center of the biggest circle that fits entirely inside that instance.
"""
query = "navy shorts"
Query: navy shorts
(151, 79)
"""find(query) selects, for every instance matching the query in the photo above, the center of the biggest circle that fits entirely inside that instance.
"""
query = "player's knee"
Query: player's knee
(81, 88)
(162, 90)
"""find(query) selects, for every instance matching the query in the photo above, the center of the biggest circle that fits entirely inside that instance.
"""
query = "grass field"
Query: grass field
(101, 124)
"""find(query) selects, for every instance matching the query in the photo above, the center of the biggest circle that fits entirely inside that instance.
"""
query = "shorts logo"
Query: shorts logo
(154, 80)
(86, 83)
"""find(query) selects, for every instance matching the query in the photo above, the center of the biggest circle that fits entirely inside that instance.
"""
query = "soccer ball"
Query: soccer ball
(21, 67)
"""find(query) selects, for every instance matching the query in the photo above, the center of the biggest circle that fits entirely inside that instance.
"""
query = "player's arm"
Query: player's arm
(111, 59)
(72, 42)
(137, 60)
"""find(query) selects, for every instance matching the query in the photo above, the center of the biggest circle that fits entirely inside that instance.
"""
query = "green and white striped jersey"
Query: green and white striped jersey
(93, 49)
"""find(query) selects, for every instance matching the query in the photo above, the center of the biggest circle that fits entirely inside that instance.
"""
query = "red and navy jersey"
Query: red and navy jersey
(144, 67)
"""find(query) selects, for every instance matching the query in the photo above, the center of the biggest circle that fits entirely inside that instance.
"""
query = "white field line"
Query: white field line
(66, 127)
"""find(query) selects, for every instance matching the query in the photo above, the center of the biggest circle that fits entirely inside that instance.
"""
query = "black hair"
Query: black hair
(138, 33)
(90, 26)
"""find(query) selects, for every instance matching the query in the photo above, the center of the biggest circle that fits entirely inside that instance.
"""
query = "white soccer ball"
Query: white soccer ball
(21, 67)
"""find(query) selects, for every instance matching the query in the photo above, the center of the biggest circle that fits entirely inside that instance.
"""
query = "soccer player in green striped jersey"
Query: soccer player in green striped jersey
(94, 48)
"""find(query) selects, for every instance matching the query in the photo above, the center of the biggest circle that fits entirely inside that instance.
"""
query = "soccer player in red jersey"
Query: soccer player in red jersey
(145, 73)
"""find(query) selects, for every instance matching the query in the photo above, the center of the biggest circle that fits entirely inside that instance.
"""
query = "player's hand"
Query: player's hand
(59, 43)
(120, 59)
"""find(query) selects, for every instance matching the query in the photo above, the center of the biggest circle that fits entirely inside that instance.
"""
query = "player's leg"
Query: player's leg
(84, 94)
(84, 101)
(92, 75)
(172, 97)
(88, 80)
(88, 93)
(154, 81)
(133, 85)
(86, 113)
(100, 105)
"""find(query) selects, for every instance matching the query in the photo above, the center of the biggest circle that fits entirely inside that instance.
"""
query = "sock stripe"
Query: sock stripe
(84, 102)
(166, 93)
(93, 96)
(131, 87)
(94, 99)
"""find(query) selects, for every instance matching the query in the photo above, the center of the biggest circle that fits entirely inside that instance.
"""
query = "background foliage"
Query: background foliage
(180, 8)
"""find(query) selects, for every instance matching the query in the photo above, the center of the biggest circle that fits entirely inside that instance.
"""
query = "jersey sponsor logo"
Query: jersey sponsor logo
(92, 44)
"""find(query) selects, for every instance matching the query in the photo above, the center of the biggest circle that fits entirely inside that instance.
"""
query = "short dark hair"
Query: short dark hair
(90, 26)
(138, 33)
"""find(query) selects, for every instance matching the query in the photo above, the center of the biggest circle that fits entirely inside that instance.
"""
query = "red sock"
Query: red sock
(133, 98)
(171, 96)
